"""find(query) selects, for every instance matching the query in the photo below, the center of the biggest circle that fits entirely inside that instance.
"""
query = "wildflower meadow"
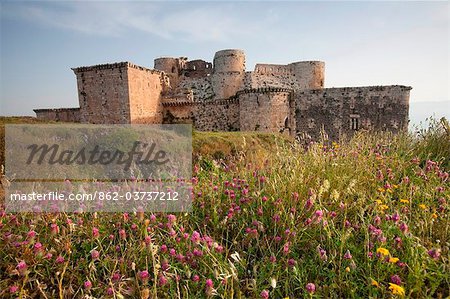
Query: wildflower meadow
(362, 218)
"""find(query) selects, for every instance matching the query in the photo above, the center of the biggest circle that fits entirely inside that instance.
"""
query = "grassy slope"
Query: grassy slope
(215, 145)
(254, 188)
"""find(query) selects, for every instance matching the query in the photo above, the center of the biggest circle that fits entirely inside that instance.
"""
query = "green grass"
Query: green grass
(270, 216)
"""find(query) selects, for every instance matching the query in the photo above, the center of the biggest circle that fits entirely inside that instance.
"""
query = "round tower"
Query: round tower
(309, 74)
(170, 66)
(229, 72)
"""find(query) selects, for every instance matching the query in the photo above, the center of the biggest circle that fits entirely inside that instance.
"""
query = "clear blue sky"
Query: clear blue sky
(362, 43)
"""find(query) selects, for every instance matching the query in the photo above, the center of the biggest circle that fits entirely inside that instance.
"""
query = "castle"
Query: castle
(223, 96)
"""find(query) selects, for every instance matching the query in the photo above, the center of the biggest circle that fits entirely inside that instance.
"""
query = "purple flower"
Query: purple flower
(264, 294)
(195, 237)
(348, 255)
(396, 279)
(162, 280)
(197, 252)
(38, 247)
(31, 234)
(144, 275)
(110, 291)
(310, 288)
(209, 283)
(54, 228)
(434, 253)
(13, 289)
(209, 287)
(322, 254)
(309, 203)
(171, 218)
(59, 259)
(95, 255)
(115, 277)
(21, 267)
(87, 285)
(395, 217)
(291, 262)
(403, 227)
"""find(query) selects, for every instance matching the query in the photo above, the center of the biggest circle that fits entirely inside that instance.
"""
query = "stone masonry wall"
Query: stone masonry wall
(345, 110)
(229, 73)
(103, 93)
(220, 115)
(201, 88)
(299, 75)
(267, 110)
(222, 96)
(59, 114)
(197, 69)
(145, 87)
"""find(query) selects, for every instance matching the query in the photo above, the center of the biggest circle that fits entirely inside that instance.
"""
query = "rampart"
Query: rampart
(223, 96)
(59, 114)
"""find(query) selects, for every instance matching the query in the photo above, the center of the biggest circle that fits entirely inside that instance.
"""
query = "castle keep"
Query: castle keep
(223, 96)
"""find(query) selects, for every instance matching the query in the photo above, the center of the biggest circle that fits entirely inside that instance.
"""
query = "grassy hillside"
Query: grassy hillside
(368, 218)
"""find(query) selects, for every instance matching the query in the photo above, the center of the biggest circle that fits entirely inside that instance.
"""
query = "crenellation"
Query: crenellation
(223, 96)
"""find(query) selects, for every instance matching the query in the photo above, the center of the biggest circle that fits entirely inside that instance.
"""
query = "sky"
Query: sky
(361, 43)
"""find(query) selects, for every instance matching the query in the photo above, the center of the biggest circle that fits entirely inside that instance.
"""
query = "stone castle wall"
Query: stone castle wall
(103, 93)
(222, 96)
(345, 110)
(298, 75)
(59, 114)
(201, 88)
(145, 88)
(267, 110)
(221, 115)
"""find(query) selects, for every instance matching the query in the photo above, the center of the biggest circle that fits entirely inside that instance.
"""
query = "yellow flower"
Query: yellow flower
(347, 269)
(434, 216)
(384, 207)
(404, 201)
(383, 251)
(390, 190)
(374, 283)
(422, 206)
(396, 289)
(393, 260)
(381, 190)
(335, 195)
(378, 201)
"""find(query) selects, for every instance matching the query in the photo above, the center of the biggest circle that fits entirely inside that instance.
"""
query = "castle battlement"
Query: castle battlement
(223, 95)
